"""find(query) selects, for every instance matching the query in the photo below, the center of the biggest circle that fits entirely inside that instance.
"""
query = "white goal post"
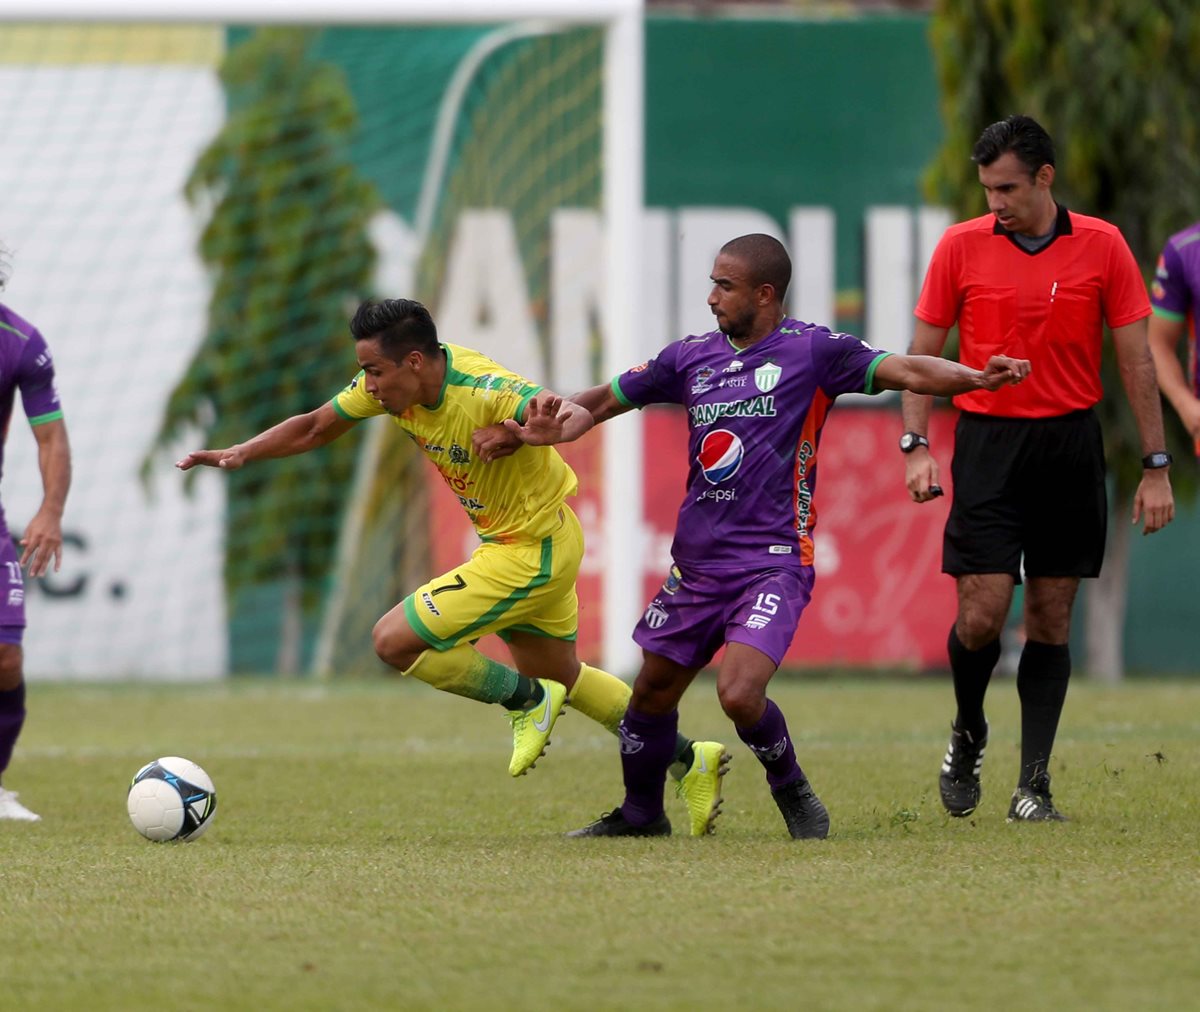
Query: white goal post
(622, 205)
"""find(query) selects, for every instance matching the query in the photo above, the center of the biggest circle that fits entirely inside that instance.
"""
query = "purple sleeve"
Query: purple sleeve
(659, 381)
(843, 364)
(1169, 290)
(35, 377)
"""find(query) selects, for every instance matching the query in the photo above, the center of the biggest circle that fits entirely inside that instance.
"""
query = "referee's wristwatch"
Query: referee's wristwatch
(1154, 461)
(911, 440)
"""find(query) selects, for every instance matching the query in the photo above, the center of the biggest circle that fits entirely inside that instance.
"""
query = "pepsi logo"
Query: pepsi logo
(720, 456)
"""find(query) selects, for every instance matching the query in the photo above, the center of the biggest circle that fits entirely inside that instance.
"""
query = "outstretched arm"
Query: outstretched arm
(550, 419)
(545, 425)
(297, 434)
(926, 374)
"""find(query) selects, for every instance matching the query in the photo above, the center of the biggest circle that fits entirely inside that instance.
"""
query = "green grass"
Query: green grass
(370, 852)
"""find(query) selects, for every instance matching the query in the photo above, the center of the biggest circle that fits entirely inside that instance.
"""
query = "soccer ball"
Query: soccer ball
(171, 799)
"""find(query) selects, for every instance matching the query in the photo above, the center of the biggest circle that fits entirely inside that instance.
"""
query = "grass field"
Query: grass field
(370, 852)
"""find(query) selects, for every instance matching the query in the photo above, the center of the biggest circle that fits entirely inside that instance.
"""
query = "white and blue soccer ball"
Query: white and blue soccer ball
(171, 799)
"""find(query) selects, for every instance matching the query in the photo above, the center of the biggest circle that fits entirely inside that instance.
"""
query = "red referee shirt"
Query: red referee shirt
(1047, 306)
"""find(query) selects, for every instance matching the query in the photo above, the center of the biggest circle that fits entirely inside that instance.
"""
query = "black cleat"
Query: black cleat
(1033, 804)
(959, 780)
(802, 810)
(613, 824)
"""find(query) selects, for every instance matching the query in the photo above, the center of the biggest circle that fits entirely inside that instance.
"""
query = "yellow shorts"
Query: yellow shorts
(504, 588)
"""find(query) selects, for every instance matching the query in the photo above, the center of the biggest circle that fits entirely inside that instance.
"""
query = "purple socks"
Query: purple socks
(647, 749)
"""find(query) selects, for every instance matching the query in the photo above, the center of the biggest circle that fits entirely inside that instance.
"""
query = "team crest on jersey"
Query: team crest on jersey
(721, 454)
(766, 376)
(458, 455)
(702, 377)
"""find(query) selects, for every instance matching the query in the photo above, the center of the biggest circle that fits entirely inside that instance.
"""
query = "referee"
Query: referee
(1033, 280)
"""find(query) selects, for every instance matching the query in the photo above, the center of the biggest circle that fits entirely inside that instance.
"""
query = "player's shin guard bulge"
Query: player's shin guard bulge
(464, 671)
(531, 728)
(601, 696)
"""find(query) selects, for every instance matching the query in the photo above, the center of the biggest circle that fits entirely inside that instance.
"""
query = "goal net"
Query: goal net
(193, 214)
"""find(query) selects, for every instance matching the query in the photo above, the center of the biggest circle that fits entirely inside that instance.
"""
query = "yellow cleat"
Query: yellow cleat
(700, 786)
(531, 728)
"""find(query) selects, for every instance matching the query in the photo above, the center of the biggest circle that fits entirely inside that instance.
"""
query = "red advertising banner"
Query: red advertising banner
(880, 598)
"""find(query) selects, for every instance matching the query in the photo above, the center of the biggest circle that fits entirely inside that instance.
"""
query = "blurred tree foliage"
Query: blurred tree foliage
(1115, 84)
(287, 247)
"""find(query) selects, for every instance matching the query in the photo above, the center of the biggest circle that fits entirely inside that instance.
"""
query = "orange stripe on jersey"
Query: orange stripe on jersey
(806, 462)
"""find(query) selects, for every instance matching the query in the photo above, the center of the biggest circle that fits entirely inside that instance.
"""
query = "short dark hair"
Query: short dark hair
(399, 325)
(768, 261)
(1024, 136)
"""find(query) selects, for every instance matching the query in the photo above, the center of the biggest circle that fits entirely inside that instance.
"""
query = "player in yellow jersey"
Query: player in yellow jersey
(520, 582)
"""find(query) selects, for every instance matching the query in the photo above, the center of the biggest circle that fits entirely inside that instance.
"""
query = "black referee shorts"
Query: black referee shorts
(1031, 487)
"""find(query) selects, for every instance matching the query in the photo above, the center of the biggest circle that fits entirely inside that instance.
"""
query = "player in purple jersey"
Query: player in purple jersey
(1175, 298)
(757, 393)
(25, 365)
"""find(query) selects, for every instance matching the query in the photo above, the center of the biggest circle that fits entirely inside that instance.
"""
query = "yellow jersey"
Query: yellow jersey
(515, 498)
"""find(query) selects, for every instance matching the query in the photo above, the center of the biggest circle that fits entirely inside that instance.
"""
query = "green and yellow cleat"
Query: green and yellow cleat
(532, 727)
(700, 786)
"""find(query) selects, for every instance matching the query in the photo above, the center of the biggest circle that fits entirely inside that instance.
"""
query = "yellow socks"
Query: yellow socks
(464, 671)
(601, 696)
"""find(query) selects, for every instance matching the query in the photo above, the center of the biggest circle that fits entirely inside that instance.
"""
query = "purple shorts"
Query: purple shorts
(12, 592)
(693, 616)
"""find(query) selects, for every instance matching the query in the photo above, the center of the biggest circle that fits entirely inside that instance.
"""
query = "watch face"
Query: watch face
(906, 441)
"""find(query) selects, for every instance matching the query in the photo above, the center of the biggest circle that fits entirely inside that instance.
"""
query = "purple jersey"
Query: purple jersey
(25, 364)
(1175, 291)
(755, 417)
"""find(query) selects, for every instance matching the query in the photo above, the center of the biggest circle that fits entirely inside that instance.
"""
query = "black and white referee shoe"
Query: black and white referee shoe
(959, 780)
(1033, 804)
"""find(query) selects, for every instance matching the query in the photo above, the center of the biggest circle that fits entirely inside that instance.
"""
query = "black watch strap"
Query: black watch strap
(1154, 461)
